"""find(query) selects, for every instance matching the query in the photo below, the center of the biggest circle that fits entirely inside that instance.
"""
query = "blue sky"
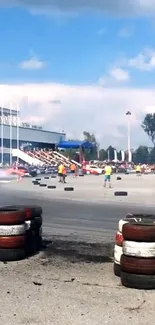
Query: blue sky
(96, 64)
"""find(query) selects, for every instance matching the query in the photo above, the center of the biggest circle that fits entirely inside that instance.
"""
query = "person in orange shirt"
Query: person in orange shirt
(73, 169)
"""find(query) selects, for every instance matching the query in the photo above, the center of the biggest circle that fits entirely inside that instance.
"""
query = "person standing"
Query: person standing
(60, 172)
(64, 174)
(73, 169)
(107, 175)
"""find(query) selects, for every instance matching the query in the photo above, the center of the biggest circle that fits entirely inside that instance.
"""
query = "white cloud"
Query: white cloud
(32, 64)
(144, 61)
(114, 77)
(77, 108)
(119, 7)
(119, 74)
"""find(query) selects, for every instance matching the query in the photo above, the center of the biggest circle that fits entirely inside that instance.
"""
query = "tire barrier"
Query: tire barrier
(42, 185)
(117, 260)
(118, 178)
(46, 177)
(53, 176)
(35, 183)
(20, 232)
(38, 179)
(118, 248)
(67, 189)
(121, 193)
(138, 258)
(51, 186)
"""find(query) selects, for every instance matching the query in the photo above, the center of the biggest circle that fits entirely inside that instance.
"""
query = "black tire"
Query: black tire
(121, 193)
(36, 223)
(42, 185)
(117, 269)
(118, 178)
(126, 173)
(67, 189)
(51, 186)
(31, 242)
(46, 177)
(81, 175)
(36, 210)
(12, 254)
(53, 176)
(39, 243)
(135, 281)
(36, 183)
(38, 179)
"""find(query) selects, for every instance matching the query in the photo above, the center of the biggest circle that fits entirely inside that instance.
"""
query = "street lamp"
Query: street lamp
(128, 114)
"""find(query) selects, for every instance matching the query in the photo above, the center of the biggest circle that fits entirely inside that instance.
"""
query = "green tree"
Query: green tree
(141, 155)
(148, 126)
(110, 152)
(91, 154)
(119, 155)
(152, 156)
(103, 155)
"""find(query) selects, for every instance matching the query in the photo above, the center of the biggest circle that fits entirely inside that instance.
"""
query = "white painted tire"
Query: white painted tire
(27, 224)
(123, 221)
(117, 254)
(138, 249)
(15, 230)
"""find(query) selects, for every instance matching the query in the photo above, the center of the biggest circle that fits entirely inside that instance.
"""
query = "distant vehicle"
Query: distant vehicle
(20, 170)
(92, 169)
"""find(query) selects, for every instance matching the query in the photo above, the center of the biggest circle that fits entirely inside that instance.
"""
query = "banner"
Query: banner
(123, 155)
(115, 155)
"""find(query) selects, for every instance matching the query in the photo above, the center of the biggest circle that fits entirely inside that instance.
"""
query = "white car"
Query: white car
(91, 168)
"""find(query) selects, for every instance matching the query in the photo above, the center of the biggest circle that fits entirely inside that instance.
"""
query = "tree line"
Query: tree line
(143, 154)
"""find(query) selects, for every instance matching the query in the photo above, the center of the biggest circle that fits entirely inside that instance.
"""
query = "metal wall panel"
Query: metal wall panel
(28, 135)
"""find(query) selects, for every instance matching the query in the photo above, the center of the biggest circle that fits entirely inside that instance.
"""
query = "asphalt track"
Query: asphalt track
(97, 222)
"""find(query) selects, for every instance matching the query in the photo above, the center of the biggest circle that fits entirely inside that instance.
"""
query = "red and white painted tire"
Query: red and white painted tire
(143, 231)
(12, 241)
(127, 219)
(139, 249)
(119, 239)
(10, 216)
(15, 230)
(137, 217)
(134, 265)
(118, 251)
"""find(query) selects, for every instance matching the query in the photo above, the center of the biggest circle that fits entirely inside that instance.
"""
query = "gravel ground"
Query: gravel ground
(56, 291)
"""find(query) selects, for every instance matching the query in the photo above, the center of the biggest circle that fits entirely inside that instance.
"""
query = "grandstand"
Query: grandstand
(31, 144)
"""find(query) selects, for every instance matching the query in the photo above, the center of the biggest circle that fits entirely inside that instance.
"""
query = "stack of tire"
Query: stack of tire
(20, 232)
(118, 248)
(138, 259)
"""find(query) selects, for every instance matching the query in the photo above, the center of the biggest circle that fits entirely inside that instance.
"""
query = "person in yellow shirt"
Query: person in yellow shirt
(107, 175)
(60, 172)
(138, 169)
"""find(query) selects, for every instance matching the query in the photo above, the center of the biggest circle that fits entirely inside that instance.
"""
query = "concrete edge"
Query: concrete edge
(78, 250)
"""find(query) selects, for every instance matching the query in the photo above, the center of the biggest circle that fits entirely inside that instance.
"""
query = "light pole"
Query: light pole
(10, 117)
(18, 124)
(128, 114)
